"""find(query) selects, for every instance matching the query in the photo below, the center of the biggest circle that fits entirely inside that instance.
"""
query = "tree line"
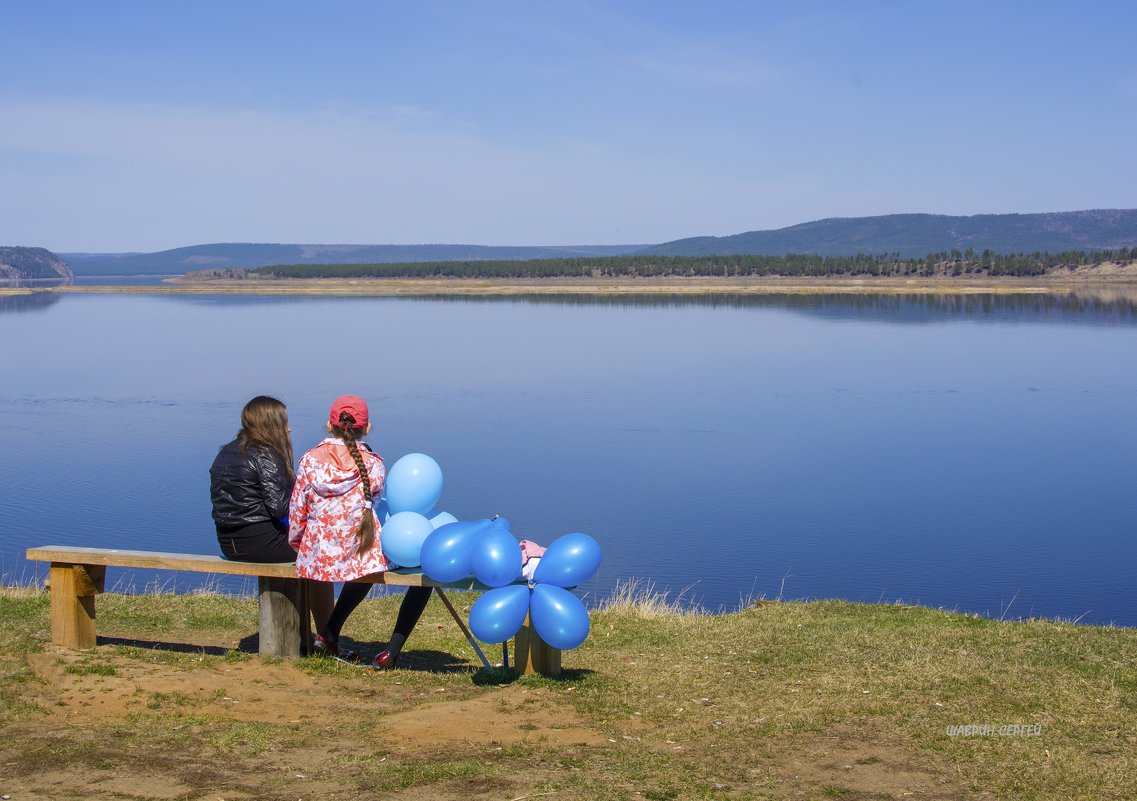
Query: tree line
(945, 263)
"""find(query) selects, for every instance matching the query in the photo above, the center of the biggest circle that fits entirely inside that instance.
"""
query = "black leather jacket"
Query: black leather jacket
(248, 488)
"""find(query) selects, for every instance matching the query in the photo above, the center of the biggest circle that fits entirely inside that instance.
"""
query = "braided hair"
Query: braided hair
(350, 433)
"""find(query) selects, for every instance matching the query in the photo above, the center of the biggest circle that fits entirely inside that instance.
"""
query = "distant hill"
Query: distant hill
(909, 235)
(239, 255)
(33, 264)
(917, 235)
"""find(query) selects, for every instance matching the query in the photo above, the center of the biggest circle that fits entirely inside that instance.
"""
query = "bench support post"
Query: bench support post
(73, 591)
(282, 612)
(531, 654)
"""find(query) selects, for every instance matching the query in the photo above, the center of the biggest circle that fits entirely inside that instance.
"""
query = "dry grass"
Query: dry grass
(639, 598)
(793, 679)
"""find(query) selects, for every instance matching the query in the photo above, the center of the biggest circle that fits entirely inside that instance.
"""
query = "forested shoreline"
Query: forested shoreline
(944, 264)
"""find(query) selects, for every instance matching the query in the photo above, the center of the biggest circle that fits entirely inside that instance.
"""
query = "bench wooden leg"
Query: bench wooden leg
(531, 654)
(282, 608)
(73, 591)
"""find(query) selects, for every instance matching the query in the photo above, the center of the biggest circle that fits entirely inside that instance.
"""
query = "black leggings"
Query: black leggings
(266, 541)
(352, 595)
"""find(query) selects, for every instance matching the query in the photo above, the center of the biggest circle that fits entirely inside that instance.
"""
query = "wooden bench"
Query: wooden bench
(78, 574)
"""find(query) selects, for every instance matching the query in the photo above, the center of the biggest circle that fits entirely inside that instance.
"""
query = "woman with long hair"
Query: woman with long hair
(335, 531)
(250, 485)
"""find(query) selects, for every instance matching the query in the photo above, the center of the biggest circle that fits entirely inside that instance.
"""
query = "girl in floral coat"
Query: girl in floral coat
(334, 529)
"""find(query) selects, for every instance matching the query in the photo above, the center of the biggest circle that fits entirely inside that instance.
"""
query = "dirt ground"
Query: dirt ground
(83, 706)
(102, 739)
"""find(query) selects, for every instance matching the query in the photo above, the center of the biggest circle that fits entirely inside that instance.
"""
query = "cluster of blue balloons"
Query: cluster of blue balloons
(447, 549)
(558, 616)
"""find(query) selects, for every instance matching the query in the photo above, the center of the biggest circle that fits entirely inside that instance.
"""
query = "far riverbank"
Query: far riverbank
(1112, 282)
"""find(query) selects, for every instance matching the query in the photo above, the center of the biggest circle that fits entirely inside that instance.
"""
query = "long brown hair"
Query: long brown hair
(350, 433)
(264, 421)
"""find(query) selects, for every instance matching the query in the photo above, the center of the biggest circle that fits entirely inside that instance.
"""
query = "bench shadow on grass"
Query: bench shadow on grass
(250, 644)
(424, 660)
(165, 645)
(500, 676)
(430, 661)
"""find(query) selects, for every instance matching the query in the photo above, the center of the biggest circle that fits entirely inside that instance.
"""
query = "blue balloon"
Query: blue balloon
(498, 614)
(558, 616)
(496, 557)
(446, 551)
(382, 511)
(402, 537)
(569, 561)
(441, 519)
(414, 484)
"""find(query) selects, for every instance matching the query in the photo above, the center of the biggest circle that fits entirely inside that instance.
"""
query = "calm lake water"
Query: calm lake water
(972, 453)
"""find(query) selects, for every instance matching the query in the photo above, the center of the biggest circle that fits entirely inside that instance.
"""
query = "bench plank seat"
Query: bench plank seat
(77, 575)
(209, 563)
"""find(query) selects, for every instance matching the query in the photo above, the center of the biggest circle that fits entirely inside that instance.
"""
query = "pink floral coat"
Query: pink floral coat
(327, 505)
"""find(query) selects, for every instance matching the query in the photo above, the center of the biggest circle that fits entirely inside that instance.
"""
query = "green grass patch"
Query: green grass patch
(686, 704)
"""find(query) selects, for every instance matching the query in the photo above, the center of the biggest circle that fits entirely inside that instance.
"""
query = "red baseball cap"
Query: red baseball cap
(353, 405)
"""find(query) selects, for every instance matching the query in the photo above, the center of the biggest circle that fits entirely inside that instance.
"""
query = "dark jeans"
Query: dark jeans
(259, 542)
(353, 593)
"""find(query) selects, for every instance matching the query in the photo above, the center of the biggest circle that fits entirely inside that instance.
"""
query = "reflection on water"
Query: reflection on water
(1095, 305)
(33, 301)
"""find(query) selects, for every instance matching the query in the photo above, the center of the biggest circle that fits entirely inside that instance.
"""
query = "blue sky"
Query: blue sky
(136, 126)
